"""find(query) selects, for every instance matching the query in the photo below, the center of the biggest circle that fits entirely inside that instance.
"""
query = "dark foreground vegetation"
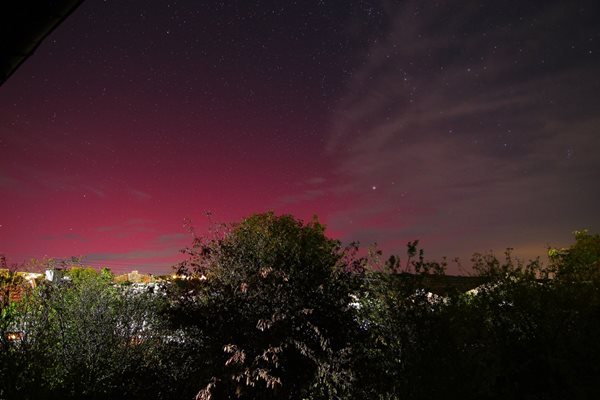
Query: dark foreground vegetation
(272, 309)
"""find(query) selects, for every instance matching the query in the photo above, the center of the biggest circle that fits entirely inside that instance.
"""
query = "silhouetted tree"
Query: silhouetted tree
(273, 310)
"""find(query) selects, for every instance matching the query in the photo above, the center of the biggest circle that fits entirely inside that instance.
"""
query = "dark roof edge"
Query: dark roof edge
(67, 10)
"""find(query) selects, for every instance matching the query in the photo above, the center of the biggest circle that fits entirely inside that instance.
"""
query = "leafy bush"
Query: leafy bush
(84, 338)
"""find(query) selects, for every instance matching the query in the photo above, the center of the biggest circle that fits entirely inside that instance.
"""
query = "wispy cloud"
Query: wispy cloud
(306, 195)
(7, 182)
(139, 195)
(95, 190)
(157, 261)
(32, 180)
(66, 236)
(156, 255)
(130, 255)
(130, 225)
(462, 133)
(169, 238)
(317, 180)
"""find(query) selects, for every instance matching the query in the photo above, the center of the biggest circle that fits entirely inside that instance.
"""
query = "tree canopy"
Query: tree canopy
(277, 292)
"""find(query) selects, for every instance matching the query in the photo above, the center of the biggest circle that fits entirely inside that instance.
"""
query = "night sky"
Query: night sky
(470, 125)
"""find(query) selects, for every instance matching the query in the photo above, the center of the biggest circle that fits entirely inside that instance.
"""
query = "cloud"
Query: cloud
(472, 136)
(131, 225)
(157, 256)
(138, 194)
(32, 179)
(66, 236)
(317, 180)
(306, 195)
(130, 255)
(173, 238)
(7, 182)
(95, 190)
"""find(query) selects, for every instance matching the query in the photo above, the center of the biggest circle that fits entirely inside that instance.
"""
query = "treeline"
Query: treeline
(271, 308)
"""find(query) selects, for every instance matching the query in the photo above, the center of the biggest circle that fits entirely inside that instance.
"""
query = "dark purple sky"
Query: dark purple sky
(468, 125)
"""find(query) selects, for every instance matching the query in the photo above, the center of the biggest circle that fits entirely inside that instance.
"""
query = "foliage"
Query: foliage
(521, 334)
(578, 262)
(273, 309)
(83, 338)
(395, 314)
(488, 265)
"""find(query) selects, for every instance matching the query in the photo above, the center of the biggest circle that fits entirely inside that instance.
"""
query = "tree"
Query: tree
(578, 262)
(84, 338)
(273, 311)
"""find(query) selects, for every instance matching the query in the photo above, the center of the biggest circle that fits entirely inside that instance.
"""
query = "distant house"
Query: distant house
(14, 286)
(55, 274)
(134, 277)
(30, 277)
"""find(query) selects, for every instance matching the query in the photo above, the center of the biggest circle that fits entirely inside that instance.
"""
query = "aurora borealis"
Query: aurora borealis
(468, 125)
